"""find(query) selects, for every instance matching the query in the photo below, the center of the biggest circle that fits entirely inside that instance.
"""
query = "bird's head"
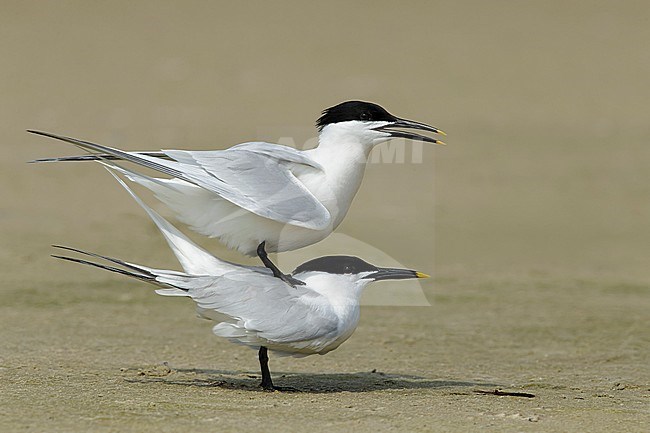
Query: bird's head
(369, 124)
(341, 272)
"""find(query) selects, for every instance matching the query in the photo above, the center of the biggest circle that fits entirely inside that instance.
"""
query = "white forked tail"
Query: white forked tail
(194, 259)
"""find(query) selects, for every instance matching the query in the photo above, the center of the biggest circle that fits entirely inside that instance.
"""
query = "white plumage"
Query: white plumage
(257, 191)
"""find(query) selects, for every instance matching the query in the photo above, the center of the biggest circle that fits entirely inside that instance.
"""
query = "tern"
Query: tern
(261, 192)
(253, 307)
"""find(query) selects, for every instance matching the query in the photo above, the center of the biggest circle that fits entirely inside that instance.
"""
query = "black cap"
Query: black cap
(354, 110)
(336, 265)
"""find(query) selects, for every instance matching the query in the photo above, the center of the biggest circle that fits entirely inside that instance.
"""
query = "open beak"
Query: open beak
(395, 274)
(410, 124)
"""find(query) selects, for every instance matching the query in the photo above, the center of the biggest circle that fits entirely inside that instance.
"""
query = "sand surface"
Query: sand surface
(533, 221)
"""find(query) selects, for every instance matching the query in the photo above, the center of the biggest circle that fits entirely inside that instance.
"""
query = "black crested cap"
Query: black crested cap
(354, 110)
(336, 265)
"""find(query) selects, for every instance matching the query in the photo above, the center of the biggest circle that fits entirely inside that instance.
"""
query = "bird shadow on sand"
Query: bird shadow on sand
(316, 383)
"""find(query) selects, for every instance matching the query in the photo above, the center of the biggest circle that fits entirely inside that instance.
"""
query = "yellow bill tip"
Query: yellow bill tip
(441, 132)
(422, 275)
(440, 142)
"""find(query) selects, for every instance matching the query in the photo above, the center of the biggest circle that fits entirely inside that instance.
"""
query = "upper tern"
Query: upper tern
(261, 192)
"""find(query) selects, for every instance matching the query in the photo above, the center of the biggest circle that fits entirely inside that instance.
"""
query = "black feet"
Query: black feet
(282, 389)
(261, 253)
(267, 382)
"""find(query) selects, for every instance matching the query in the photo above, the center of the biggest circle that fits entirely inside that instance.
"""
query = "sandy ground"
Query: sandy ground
(533, 221)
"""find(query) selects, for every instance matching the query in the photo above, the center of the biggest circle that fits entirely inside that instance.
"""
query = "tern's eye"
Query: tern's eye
(348, 269)
(365, 116)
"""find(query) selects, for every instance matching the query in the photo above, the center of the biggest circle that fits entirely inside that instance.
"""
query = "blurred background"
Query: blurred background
(545, 104)
(533, 221)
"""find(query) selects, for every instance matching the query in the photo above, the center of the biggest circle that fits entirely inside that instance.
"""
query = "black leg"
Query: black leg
(267, 383)
(261, 253)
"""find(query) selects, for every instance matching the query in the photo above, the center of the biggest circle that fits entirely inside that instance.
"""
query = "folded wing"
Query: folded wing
(250, 306)
(263, 310)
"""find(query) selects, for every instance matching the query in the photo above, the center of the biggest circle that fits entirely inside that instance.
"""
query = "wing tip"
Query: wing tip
(43, 133)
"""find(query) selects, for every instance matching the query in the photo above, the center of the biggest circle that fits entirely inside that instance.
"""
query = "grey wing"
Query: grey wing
(257, 177)
(250, 305)
(260, 304)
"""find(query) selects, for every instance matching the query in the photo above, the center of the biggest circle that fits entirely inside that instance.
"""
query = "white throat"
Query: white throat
(340, 289)
(343, 150)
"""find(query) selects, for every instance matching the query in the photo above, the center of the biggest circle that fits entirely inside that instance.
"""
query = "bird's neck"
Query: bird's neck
(337, 143)
(339, 293)
(344, 162)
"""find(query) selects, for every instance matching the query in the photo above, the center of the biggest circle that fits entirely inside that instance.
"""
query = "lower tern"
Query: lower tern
(261, 192)
(253, 307)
